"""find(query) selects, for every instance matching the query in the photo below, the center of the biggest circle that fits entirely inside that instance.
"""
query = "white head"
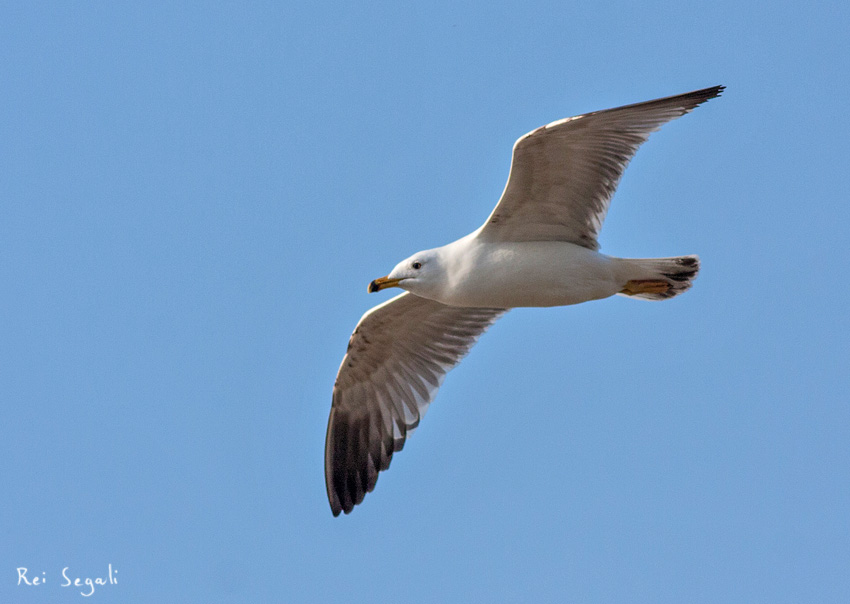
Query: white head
(421, 274)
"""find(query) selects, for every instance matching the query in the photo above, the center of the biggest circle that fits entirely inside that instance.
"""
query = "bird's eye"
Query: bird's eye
(416, 265)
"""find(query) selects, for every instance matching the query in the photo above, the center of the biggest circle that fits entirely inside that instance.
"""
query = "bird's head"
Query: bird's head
(418, 274)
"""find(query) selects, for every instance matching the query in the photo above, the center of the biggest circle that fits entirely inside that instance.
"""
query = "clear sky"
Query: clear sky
(193, 199)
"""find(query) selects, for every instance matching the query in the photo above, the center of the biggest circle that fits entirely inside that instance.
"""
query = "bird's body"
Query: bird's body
(539, 247)
(522, 274)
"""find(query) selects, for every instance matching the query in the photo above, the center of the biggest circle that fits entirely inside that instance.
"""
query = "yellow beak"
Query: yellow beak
(382, 283)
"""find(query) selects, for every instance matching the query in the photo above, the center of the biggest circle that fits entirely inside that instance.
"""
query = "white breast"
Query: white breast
(514, 274)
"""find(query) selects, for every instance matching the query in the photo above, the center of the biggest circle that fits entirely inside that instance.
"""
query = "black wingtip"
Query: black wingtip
(349, 470)
(717, 90)
(695, 98)
(709, 93)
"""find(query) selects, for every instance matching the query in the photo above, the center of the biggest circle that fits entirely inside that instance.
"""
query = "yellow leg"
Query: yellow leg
(645, 286)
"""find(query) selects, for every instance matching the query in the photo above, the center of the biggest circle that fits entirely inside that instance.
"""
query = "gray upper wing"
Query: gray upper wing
(564, 174)
(397, 358)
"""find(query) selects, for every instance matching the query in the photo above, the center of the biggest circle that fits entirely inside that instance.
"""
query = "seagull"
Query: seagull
(539, 247)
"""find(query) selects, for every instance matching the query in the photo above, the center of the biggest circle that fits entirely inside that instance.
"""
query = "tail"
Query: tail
(658, 278)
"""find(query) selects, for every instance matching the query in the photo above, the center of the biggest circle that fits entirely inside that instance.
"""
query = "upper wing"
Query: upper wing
(564, 174)
(397, 358)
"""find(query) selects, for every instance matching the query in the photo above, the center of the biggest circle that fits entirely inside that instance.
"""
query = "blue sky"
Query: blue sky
(194, 198)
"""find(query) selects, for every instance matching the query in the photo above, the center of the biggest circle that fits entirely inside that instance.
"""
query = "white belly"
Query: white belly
(509, 275)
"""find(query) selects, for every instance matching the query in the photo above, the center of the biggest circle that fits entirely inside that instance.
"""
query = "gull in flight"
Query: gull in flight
(538, 248)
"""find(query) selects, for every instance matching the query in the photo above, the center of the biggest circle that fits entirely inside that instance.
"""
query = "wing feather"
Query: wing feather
(564, 174)
(396, 361)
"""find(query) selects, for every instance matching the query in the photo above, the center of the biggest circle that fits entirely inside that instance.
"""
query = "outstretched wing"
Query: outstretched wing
(564, 174)
(397, 358)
